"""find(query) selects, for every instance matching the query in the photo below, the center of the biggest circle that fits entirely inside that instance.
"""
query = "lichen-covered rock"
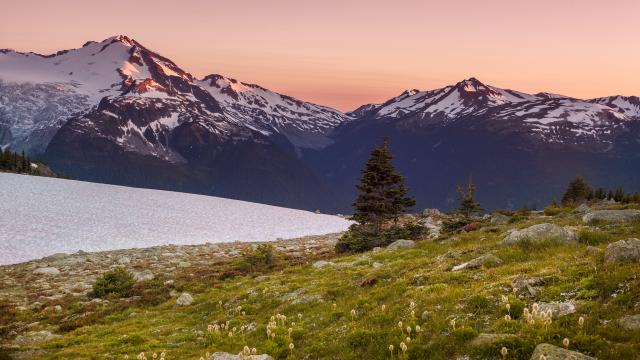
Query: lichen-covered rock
(541, 232)
(34, 337)
(552, 352)
(499, 219)
(630, 322)
(143, 276)
(322, 263)
(520, 284)
(184, 300)
(623, 251)
(227, 356)
(612, 215)
(401, 244)
(478, 262)
(558, 309)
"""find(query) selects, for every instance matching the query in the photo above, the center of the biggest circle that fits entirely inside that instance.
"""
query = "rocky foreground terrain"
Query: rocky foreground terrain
(524, 285)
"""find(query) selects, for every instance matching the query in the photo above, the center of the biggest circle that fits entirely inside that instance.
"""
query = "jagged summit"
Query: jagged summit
(122, 70)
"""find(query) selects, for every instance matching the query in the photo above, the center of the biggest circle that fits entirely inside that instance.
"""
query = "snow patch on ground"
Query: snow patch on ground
(52, 215)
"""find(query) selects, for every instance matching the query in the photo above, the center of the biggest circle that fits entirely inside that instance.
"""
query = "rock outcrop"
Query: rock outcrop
(401, 244)
(539, 233)
(612, 215)
(623, 251)
(552, 352)
(486, 259)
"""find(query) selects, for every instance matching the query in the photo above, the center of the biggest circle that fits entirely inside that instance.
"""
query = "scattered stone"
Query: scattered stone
(558, 309)
(250, 327)
(478, 262)
(227, 356)
(401, 244)
(483, 339)
(184, 300)
(322, 263)
(34, 337)
(541, 232)
(47, 271)
(630, 322)
(593, 249)
(552, 352)
(583, 208)
(297, 297)
(143, 276)
(57, 308)
(376, 249)
(612, 215)
(500, 219)
(521, 283)
(36, 306)
(369, 282)
(376, 265)
(124, 260)
(307, 299)
(433, 225)
(471, 227)
(623, 251)
(184, 264)
(431, 212)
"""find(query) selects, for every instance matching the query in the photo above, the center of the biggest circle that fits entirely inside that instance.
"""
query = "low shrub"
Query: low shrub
(261, 258)
(464, 334)
(552, 210)
(360, 239)
(117, 282)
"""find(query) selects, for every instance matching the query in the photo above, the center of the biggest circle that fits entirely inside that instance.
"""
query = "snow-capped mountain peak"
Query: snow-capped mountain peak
(628, 105)
(121, 69)
(303, 123)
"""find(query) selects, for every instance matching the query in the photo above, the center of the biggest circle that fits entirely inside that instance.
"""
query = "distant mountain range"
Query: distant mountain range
(117, 112)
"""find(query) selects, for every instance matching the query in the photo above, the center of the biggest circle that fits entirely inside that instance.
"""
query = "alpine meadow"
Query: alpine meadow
(267, 180)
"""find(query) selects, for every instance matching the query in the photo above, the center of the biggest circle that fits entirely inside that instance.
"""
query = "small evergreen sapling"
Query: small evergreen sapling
(467, 203)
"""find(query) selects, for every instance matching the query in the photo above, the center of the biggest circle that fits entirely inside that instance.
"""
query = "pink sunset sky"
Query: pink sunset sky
(346, 53)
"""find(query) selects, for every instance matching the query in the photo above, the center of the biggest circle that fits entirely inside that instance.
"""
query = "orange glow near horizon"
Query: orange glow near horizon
(343, 53)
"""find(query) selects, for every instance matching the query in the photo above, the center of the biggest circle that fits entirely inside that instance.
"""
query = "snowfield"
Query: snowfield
(43, 216)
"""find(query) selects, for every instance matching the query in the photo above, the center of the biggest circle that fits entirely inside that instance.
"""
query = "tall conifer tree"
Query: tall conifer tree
(382, 193)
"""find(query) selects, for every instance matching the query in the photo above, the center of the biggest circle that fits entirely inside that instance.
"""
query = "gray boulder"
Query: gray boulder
(478, 262)
(623, 251)
(431, 212)
(227, 356)
(34, 337)
(401, 244)
(520, 284)
(184, 300)
(47, 271)
(143, 276)
(558, 309)
(320, 264)
(583, 208)
(500, 219)
(552, 352)
(434, 226)
(612, 215)
(630, 322)
(541, 232)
